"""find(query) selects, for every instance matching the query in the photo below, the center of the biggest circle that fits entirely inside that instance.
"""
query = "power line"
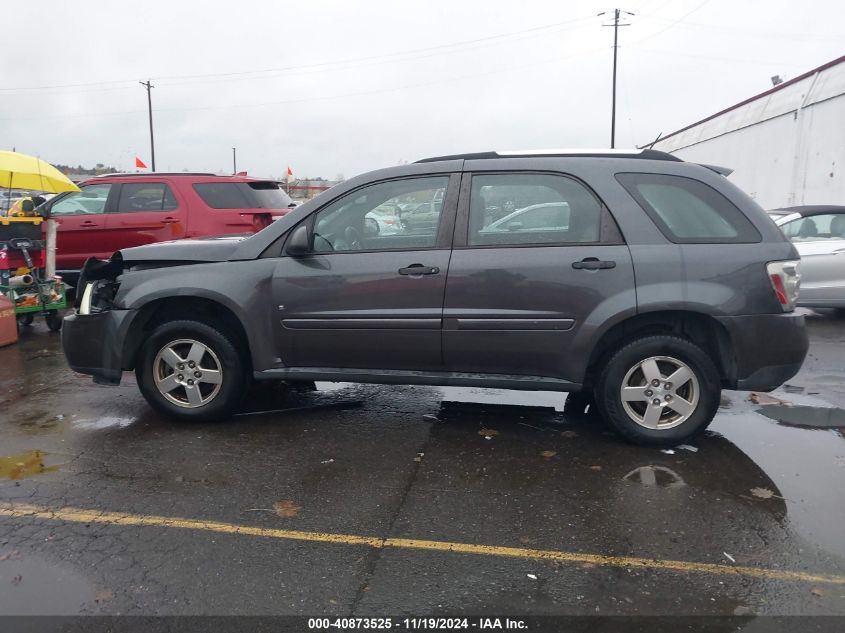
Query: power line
(738, 60)
(673, 23)
(326, 97)
(741, 30)
(443, 48)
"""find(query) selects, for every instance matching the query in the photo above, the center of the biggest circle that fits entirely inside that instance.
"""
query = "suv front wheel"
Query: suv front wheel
(191, 370)
(659, 390)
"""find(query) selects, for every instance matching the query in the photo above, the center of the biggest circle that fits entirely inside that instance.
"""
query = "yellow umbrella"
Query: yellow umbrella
(19, 171)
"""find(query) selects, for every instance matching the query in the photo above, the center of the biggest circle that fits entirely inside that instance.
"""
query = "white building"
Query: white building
(786, 145)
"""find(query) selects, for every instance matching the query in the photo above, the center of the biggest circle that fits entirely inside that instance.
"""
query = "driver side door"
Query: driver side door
(80, 225)
(364, 298)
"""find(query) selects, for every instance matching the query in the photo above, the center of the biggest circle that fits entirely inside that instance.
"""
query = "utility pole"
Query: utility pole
(616, 15)
(149, 88)
(234, 161)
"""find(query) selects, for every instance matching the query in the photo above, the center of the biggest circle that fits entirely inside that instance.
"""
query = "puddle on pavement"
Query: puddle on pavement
(805, 417)
(32, 586)
(806, 470)
(24, 465)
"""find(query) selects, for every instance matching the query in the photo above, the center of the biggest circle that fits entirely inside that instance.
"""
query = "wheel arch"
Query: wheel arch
(192, 308)
(699, 328)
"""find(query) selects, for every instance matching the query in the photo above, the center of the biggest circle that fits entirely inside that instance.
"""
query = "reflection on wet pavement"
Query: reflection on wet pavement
(806, 417)
(105, 422)
(655, 476)
(34, 586)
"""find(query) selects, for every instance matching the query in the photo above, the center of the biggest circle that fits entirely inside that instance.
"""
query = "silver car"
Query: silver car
(818, 233)
(536, 217)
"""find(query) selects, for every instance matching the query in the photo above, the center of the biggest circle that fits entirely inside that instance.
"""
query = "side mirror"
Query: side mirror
(299, 243)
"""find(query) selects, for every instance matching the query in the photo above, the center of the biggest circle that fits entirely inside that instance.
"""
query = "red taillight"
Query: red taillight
(785, 278)
(780, 291)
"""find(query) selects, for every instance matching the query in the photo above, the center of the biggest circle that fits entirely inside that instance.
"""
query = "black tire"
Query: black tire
(610, 382)
(53, 320)
(233, 369)
(25, 319)
(580, 405)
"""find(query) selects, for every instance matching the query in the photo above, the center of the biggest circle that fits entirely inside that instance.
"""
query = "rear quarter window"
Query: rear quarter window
(243, 195)
(687, 211)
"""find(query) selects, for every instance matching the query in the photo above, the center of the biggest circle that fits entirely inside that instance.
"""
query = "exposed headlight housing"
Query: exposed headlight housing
(85, 303)
(98, 296)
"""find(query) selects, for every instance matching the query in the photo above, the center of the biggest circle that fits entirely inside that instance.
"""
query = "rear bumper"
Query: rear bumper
(93, 344)
(768, 349)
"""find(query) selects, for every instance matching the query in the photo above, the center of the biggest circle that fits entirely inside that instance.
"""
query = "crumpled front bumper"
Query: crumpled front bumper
(93, 343)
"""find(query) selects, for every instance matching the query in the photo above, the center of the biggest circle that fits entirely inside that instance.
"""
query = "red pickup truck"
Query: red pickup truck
(117, 211)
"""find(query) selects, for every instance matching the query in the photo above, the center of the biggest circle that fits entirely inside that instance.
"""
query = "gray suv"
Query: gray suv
(640, 283)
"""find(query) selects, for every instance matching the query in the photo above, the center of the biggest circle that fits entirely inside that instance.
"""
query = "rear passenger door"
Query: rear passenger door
(145, 212)
(523, 284)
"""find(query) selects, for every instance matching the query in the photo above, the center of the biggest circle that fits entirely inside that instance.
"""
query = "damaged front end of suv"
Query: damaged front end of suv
(96, 294)
(115, 299)
(98, 285)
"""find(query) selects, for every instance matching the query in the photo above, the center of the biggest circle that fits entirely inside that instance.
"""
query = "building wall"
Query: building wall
(786, 147)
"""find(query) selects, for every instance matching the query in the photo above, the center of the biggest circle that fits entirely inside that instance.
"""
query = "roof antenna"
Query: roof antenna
(650, 145)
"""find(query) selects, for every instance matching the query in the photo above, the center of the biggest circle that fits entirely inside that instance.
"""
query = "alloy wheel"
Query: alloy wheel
(660, 392)
(187, 373)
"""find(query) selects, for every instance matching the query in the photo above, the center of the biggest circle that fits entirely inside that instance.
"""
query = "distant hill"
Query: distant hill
(96, 170)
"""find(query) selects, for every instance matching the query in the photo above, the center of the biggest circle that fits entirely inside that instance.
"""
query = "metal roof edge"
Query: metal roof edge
(766, 93)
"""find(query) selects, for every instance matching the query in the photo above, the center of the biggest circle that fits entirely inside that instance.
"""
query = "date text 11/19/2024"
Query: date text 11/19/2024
(416, 624)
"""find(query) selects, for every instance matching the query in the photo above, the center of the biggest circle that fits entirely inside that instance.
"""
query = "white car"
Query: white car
(818, 233)
(387, 218)
(536, 217)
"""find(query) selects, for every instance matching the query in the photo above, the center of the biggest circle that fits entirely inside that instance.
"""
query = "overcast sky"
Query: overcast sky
(341, 87)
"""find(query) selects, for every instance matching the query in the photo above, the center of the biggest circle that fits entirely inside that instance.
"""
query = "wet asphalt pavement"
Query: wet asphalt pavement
(765, 489)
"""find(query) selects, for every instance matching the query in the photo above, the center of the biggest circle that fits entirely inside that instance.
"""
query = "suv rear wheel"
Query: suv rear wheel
(659, 390)
(191, 370)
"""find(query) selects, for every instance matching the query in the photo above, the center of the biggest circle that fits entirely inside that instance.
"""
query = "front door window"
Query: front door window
(90, 200)
(399, 214)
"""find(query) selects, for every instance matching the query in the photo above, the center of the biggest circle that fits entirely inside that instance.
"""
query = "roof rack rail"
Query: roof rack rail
(646, 154)
(156, 173)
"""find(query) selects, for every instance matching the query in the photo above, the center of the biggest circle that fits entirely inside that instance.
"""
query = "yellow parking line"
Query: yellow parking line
(77, 515)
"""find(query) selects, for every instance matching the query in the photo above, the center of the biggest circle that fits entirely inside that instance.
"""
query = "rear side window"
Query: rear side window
(150, 196)
(688, 211)
(243, 195)
(530, 209)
